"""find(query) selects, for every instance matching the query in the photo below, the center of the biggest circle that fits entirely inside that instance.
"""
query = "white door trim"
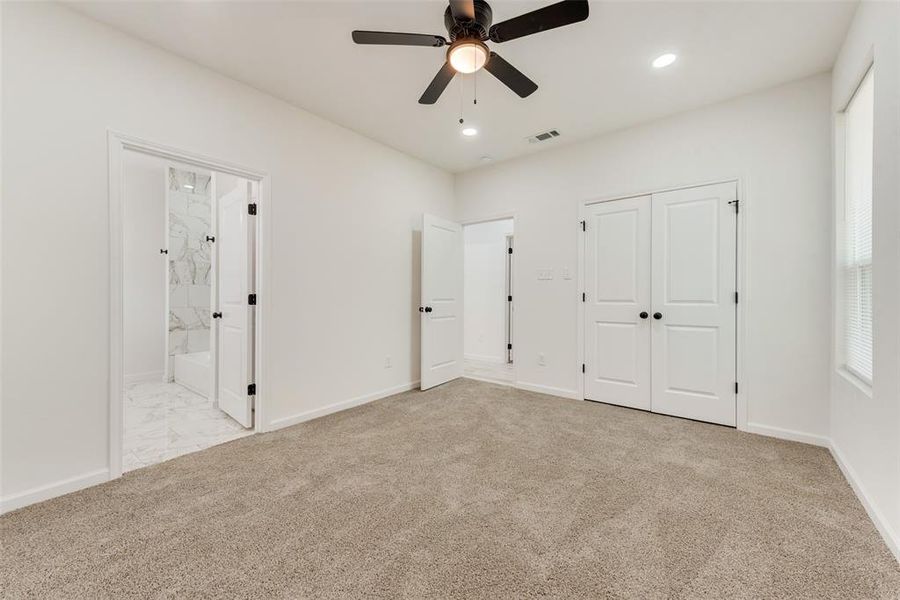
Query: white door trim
(118, 143)
(743, 281)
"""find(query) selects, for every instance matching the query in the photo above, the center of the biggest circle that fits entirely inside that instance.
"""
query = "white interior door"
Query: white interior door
(442, 301)
(617, 302)
(693, 325)
(234, 336)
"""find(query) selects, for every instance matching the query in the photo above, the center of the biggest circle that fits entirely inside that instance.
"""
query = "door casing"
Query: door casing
(117, 144)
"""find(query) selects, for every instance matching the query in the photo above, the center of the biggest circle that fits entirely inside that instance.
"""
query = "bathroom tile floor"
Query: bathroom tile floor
(165, 420)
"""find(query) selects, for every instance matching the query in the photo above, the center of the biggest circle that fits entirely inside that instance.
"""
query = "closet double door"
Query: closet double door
(660, 302)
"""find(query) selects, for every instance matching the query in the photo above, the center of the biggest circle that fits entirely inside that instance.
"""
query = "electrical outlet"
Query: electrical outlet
(387, 362)
(542, 361)
(565, 273)
(544, 274)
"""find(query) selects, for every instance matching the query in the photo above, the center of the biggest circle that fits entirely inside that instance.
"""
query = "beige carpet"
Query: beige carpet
(468, 490)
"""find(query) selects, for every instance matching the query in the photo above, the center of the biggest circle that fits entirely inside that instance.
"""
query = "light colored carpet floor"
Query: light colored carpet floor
(469, 490)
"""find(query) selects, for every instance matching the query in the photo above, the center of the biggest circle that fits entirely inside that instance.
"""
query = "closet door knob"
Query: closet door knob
(428, 309)
(657, 316)
(644, 314)
(217, 315)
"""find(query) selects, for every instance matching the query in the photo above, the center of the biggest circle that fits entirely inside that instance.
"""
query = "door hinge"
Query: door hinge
(251, 299)
(509, 250)
(582, 367)
(737, 205)
(583, 297)
(735, 387)
(735, 297)
(584, 225)
(509, 298)
(509, 346)
(251, 208)
(251, 389)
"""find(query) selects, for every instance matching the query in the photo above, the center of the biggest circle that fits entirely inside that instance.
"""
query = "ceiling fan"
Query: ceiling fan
(469, 26)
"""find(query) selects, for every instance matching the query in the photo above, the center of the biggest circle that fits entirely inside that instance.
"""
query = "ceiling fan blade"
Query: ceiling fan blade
(438, 84)
(510, 76)
(542, 19)
(462, 9)
(389, 38)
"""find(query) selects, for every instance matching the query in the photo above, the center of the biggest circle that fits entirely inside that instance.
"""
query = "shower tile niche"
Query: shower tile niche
(190, 215)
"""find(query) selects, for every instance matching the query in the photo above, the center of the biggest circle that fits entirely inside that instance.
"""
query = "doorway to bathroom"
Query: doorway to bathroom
(189, 316)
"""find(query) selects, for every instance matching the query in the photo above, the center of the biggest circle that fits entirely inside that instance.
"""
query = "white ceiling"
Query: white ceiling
(594, 76)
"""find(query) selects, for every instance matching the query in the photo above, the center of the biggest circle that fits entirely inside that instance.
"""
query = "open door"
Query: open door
(234, 355)
(442, 301)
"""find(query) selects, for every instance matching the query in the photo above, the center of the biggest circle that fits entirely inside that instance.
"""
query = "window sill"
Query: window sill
(862, 386)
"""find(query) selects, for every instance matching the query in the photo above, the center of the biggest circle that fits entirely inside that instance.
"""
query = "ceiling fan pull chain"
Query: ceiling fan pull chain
(461, 79)
(475, 86)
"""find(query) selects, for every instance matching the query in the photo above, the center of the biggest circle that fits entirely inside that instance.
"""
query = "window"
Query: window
(856, 234)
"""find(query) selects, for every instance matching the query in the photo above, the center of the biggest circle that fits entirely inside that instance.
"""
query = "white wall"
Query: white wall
(865, 428)
(484, 312)
(344, 258)
(778, 143)
(144, 224)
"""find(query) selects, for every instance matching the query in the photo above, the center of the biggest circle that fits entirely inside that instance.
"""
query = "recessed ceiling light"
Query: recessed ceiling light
(486, 159)
(664, 61)
(188, 186)
(469, 131)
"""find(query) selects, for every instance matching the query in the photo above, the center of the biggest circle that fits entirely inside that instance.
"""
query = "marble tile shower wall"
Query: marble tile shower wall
(190, 217)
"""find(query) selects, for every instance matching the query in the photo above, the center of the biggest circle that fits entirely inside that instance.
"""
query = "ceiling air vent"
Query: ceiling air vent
(543, 136)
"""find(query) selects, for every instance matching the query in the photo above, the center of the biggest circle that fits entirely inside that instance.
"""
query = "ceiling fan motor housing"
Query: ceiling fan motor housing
(478, 29)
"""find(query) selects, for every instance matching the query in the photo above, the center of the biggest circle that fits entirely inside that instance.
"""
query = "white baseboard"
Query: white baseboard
(46, 492)
(155, 376)
(788, 434)
(497, 360)
(339, 406)
(890, 537)
(549, 390)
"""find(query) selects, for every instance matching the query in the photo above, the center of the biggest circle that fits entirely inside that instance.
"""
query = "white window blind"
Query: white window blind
(857, 232)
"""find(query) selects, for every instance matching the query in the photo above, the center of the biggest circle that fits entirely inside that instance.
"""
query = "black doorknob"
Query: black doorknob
(644, 314)
(217, 315)
(428, 309)
(657, 316)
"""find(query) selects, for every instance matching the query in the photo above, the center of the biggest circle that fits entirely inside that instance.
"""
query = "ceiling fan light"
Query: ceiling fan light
(467, 57)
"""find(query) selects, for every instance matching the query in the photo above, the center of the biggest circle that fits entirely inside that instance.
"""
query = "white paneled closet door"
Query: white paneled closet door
(693, 283)
(617, 302)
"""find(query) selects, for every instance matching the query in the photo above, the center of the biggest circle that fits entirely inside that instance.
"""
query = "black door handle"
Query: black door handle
(657, 316)
(644, 314)
(421, 309)
(427, 309)
(217, 315)
(210, 238)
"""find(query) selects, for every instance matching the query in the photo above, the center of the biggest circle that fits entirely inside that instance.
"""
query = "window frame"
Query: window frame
(841, 240)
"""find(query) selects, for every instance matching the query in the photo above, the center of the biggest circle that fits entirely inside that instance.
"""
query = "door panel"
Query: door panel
(693, 274)
(234, 337)
(442, 293)
(617, 289)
